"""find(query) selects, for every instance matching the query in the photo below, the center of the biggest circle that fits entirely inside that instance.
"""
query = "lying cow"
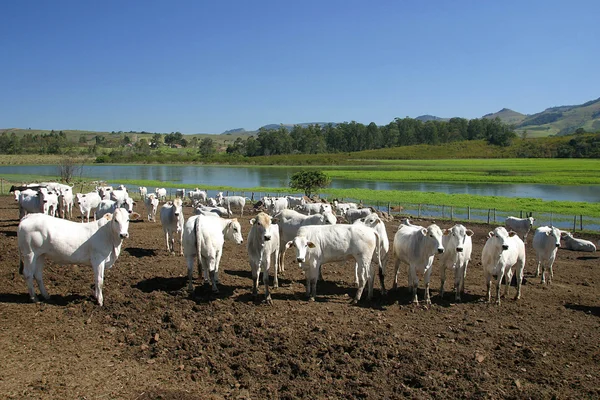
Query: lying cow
(546, 241)
(171, 218)
(458, 247)
(520, 225)
(577, 244)
(96, 243)
(417, 246)
(203, 238)
(501, 252)
(318, 245)
(263, 250)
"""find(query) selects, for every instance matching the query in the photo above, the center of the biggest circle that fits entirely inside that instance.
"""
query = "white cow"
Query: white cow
(417, 246)
(161, 193)
(104, 192)
(197, 195)
(203, 238)
(49, 201)
(171, 218)
(109, 207)
(65, 201)
(229, 201)
(458, 247)
(309, 208)
(277, 205)
(318, 245)
(119, 195)
(342, 208)
(501, 252)
(180, 193)
(211, 202)
(546, 241)
(577, 244)
(30, 201)
(151, 203)
(220, 211)
(520, 225)
(290, 221)
(354, 214)
(373, 221)
(263, 249)
(143, 191)
(294, 201)
(87, 202)
(96, 243)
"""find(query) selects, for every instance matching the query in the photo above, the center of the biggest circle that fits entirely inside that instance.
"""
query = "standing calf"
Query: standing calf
(457, 254)
(263, 249)
(171, 218)
(96, 243)
(546, 242)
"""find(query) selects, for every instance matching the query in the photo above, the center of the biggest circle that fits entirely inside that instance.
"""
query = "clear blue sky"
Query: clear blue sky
(207, 66)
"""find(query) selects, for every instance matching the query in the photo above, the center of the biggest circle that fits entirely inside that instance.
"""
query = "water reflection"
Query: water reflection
(279, 177)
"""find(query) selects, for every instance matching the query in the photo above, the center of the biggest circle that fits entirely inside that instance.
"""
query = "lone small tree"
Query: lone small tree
(309, 181)
(68, 168)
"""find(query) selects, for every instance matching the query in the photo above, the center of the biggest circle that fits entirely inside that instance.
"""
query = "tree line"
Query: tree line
(354, 136)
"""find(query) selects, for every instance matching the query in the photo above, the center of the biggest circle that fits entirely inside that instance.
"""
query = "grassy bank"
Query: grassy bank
(369, 196)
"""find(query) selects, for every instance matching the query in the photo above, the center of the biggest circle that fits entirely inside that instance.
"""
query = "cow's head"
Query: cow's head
(119, 223)
(370, 220)
(177, 207)
(17, 193)
(434, 234)
(329, 218)
(233, 231)
(457, 236)
(500, 235)
(302, 244)
(262, 224)
(556, 234)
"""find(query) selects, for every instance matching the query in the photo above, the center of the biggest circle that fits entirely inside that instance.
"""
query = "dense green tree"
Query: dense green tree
(309, 181)
(207, 147)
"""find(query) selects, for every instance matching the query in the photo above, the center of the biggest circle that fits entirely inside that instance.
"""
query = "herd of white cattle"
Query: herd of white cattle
(282, 223)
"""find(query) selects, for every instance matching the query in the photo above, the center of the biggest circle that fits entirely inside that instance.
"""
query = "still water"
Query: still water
(244, 177)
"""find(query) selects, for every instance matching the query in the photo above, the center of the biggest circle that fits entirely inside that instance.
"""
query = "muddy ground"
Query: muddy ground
(153, 340)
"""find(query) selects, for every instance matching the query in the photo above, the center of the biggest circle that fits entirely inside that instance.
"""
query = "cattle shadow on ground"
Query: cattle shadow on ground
(594, 310)
(171, 285)
(8, 233)
(203, 293)
(586, 258)
(138, 252)
(449, 300)
(248, 274)
(57, 299)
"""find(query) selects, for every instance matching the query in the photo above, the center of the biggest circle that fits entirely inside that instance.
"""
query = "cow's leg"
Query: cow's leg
(39, 276)
(266, 264)
(396, 268)
(181, 242)
(205, 263)
(167, 239)
(463, 277)
(519, 272)
(458, 281)
(550, 264)
(255, 277)
(413, 283)
(281, 257)
(381, 272)
(28, 270)
(275, 258)
(98, 268)
(427, 278)
(442, 278)
(488, 283)
(539, 262)
(312, 275)
(190, 270)
(499, 283)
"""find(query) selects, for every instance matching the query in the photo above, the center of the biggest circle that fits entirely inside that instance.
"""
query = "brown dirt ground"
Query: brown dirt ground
(153, 340)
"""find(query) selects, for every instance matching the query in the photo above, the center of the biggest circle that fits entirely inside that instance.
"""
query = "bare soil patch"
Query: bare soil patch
(152, 339)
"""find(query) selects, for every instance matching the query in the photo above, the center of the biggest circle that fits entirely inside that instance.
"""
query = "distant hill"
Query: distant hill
(507, 116)
(428, 117)
(232, 131)
(563, 120)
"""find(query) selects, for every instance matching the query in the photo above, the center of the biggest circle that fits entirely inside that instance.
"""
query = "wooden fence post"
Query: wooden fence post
(574, 223)
(2, 186)
(451, 213)
(389, 209)
(442, 211)
(494, 215)
(252, 198)
(419, 213)
(521, 215)
(468, 213)
(580, 222)
(488, 215)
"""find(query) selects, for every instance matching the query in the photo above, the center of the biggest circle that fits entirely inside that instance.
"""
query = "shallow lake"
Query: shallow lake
(244, 177)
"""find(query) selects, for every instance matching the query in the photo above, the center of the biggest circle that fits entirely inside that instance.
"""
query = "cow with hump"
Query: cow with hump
(263, 250)
(546, 242)
(458, 247)
(95, 243)
(318, 245)
(417, 246)
(501, 252)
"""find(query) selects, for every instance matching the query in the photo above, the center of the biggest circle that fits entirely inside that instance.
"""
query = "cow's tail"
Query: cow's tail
(21, 266)
(378, 249)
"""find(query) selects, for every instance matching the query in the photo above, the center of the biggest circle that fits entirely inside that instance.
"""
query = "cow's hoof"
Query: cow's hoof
(268, 301)
(311, 299)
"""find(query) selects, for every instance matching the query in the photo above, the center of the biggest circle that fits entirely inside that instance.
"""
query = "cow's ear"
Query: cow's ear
(274, 220)
(424, 232)
(252, 221)
(469, 232)
(490, 234)
(289, 244)
(108, 217)
(134, 215)
(311, 245)
(446, 232)
(547, 233)
(564, 234)
(512, 233)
